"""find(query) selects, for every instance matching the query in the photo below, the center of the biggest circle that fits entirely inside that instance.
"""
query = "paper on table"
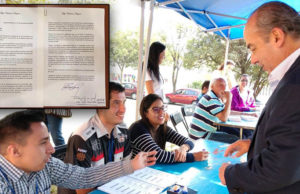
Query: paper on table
(127, 184)
(147, 180)
(235, 118)
(248, 118)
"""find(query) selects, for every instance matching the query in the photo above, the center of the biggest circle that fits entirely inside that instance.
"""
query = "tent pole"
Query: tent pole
(226, 51)
(143, 65)
(141, 45)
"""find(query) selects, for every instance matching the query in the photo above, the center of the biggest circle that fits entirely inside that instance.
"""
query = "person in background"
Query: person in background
(151, 133)
(154, 80)
(272, 33)
(227, 73)
(204, 89)
(212, 107)
(26, 165)
(242, 96)
(54, 120)
(101, 139)
(243, 102)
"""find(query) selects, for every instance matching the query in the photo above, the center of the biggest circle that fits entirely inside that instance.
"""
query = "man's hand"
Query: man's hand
(180, 153)
(202, 155)
(222, 172)
(143, 159)
(240, 147)
(227, 95)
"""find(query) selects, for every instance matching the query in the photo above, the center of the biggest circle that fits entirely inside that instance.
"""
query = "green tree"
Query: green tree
(176, 47)
(204, 50)
(259, 78)
(240, 54)
(85, 1)
(15, 1)
(124, 50)
(196, 85)
(209, 50)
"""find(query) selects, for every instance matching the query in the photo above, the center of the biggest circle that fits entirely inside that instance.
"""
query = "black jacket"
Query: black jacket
(273, 164)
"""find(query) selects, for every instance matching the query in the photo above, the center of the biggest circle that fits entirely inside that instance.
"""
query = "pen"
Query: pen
(165, 189)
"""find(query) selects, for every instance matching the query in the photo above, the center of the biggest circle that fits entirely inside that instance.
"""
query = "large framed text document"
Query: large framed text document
(54, 56)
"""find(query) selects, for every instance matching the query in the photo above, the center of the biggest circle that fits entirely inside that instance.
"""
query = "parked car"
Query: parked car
(130, 90)
(183, 96)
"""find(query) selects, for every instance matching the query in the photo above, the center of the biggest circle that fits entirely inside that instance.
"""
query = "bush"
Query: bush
(196, 85)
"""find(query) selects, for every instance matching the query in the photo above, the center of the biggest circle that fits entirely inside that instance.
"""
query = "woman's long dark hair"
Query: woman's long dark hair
(154, 52)
(161, 134)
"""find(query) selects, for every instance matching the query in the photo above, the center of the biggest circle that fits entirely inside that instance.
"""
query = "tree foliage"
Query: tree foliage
(176, 48)
(209, 50)
(124, 50)
(204, 50)
(84, 1)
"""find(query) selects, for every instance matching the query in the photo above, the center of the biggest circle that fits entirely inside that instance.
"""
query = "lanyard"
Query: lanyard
(10, 186)
(111, 148)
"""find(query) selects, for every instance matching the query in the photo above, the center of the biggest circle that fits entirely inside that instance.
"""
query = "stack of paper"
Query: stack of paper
(144, 181)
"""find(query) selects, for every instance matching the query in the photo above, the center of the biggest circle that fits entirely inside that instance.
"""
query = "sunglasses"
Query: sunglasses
(244, 80)
(158, 109)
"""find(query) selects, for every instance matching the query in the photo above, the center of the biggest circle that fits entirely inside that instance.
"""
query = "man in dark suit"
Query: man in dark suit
(272, 34)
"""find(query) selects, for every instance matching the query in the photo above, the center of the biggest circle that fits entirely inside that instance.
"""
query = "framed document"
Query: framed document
(54, 56)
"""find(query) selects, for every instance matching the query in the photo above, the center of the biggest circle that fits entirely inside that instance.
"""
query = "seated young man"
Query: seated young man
(204, 89)
(101, 140)
(26, 165)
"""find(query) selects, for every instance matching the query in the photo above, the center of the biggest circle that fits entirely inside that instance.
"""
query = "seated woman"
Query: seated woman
(242, 101)
(152, 133)
(242, 97)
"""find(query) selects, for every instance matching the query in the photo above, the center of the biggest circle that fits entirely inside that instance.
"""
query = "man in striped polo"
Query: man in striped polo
(212, 107)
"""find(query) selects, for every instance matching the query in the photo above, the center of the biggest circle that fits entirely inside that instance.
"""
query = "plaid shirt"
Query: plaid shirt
(58, 173)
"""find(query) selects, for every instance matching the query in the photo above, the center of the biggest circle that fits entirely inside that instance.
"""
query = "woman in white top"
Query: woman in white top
(154, 80)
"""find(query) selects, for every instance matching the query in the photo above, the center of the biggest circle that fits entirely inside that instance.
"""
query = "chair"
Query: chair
(177, 118)
(187, 110)
(60, 152)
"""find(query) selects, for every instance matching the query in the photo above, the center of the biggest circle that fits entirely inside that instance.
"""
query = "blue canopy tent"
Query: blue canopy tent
(226, 18)
(223, 17)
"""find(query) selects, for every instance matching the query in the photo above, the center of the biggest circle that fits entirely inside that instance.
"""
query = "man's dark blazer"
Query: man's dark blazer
(273, 164)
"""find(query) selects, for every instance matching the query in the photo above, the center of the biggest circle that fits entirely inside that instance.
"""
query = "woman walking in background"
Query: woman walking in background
(154, 80)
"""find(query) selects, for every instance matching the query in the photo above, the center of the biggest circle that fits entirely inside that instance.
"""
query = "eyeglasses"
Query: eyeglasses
(158, 109)
(244, 80)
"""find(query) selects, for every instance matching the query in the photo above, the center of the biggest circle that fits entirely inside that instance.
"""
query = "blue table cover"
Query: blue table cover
(203, 176)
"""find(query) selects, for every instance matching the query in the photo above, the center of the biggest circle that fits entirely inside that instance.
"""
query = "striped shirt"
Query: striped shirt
(205, 115)
(141, 140)
(58, 173)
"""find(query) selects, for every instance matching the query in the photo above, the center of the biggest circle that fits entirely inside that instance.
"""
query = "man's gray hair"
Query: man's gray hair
(214, 80)
(280, 15)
